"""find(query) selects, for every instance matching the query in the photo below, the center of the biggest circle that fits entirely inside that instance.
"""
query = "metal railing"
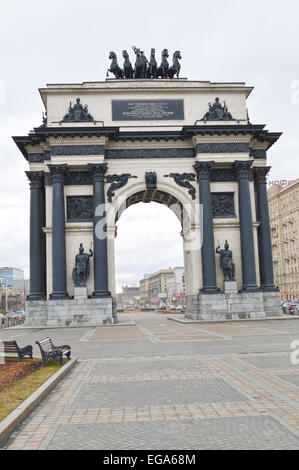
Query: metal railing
(8, 322)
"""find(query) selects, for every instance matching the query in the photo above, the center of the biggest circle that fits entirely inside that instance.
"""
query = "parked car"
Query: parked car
(10, 315)
(290, 308)
(20, 315)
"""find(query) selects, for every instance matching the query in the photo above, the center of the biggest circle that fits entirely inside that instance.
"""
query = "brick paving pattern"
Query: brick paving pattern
(165, 385)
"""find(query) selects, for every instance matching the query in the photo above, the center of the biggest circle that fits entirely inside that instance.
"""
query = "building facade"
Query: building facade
(284, 218)
(144, 289)
(186, 144)
(176, 287)
(8, 275)
(131, 294)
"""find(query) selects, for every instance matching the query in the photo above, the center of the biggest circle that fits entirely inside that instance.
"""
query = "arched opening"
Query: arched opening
(149, 245)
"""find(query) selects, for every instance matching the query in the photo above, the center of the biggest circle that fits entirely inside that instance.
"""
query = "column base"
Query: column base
(269, 288)
(101, 294)
(59, 296)
(41, 296)
(210, 290)
(248, 289)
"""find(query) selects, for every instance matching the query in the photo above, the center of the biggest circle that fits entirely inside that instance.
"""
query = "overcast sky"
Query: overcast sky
(69, 41)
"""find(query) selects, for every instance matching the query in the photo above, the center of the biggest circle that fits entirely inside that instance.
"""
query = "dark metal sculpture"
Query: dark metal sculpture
(223, 205)
(140, 64)
(163, 69)
(226, 262)
(79, 208)
(152, 68)
(128, 69)
(176, 66)
(78, 113)
(217, 112)
(82, 267)
(114, 67)
(144, 68)
(44, 124)
(118, 181)
(183, 179)
(151, 180)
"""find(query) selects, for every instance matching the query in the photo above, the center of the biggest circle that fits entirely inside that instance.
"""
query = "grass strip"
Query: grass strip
(15, 394)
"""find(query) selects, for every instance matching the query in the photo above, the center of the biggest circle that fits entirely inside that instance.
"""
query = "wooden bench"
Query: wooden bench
(9, 347)
(50, 352)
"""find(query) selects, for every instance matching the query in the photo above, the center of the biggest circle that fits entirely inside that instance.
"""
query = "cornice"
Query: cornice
(42, 136)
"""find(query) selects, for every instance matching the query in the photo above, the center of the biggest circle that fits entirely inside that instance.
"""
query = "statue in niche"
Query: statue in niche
(217, 112)
(226, 262)
(82, 267)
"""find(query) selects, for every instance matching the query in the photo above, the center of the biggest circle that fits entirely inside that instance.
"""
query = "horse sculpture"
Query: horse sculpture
(176, 66)
(128, 69)
(164, 67)
(152, 69)
(114, 68)
(144, 68)
(140, 64)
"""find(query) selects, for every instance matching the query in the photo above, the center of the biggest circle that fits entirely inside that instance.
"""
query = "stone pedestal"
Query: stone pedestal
(272, 303)
(69, 312)
(80, 292)
(222, 306)
(230, 287)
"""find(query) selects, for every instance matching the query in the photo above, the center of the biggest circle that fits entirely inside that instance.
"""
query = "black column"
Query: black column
(208, 249)
(264, 230)
(242, 172)
(99, 231)
(37, 252)
(58, 174)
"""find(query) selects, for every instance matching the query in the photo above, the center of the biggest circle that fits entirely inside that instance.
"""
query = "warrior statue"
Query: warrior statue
(82, 267)
(226, 262)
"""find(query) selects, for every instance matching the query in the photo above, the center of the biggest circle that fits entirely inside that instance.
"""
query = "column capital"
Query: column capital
(203, 169)
(242, 169)
(58, 172)
(260, 174)
(36, 179)
(97, 171)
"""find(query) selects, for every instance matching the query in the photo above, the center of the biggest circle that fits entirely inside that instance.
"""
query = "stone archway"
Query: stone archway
(190, 230)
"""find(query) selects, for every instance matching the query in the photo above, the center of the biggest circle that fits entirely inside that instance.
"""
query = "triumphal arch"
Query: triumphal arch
(142, 137)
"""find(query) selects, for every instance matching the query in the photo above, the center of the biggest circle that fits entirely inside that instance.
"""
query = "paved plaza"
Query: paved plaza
(161, 384)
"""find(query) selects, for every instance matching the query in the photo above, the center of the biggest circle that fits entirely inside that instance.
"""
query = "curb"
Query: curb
(42, 327)
(14, 419)
(240, 320)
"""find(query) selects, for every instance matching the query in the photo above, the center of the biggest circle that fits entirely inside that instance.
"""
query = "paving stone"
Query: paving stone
(292, 379)
(270, 362)
(253, 432)
(166, 392)
(147, 367)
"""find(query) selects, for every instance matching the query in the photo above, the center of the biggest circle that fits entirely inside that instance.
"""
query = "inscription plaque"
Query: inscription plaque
(147, 110)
